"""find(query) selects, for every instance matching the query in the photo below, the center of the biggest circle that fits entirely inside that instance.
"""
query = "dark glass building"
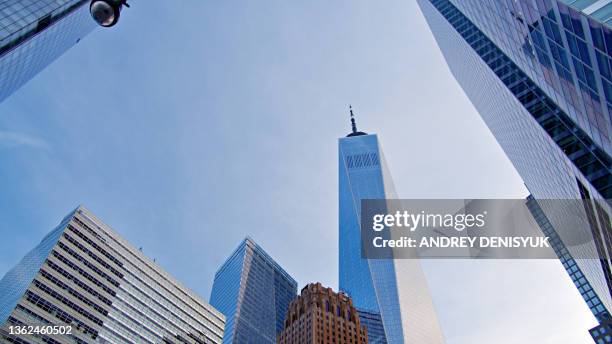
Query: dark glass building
(587, 292)
(254, 293)
(603, 333)
(539, 73)
(374, 325)
(33, 33)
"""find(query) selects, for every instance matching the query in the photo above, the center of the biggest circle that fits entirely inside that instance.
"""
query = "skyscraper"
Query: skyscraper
(33, 33)
(84, 275)
(320, 316)
(394, 289)
(587, 292)
(254, 292)
(374, 326)
(539, 74)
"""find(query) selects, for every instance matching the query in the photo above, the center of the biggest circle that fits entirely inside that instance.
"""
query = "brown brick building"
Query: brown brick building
(320, 316)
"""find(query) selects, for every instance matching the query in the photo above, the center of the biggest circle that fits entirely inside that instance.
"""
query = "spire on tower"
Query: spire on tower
(354, 124)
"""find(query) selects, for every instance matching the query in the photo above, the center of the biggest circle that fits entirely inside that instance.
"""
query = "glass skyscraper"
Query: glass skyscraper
(373, 322)
(254, 293)
(539, 73)
(84, 275)
(33, 33)
(571, 267)
(393, 292)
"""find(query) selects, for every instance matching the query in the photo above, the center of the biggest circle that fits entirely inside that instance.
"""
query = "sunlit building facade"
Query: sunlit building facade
(254, 292)
(34, 33)
(539, 74)
(394, 291)
(84, 275)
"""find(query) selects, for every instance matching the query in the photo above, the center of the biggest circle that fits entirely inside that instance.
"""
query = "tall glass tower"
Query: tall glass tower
(393, 292)
(539, 73)
(254, 293)
(33, 33)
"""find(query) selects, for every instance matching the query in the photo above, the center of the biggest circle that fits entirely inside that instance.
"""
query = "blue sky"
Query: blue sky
(194, 123)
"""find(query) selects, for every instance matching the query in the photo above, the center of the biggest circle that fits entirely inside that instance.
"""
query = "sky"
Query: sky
(194, 123)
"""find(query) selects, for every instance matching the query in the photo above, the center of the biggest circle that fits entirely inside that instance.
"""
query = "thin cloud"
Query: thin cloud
(12, 139)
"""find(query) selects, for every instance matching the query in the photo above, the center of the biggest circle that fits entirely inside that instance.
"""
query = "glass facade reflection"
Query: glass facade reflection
(373, 322)
(394, 291)
(561, 50)
(254, 292)
(33, 33)
(85, 275)
(538, 72)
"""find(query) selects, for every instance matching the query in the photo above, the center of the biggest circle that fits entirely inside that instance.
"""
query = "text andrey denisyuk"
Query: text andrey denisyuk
(459, 222)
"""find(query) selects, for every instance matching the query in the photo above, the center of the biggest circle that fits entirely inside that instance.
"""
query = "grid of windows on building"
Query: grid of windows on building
(602, 334)
(254, 292)
(538, 72)
(373, 323)
(575, 140)
(564, 51)
(85, 276)
(321, 316)
(569, 264)
(34, 33)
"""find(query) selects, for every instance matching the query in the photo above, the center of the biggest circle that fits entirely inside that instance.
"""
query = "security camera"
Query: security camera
(106, 12)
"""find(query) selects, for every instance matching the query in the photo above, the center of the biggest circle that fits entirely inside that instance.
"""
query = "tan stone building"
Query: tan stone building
(321, 316)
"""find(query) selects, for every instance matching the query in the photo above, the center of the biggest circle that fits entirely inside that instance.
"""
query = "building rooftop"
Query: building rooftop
(598, 9)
